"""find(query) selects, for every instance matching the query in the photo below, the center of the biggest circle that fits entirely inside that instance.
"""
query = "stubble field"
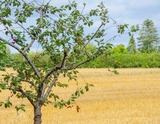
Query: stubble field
(132, 97)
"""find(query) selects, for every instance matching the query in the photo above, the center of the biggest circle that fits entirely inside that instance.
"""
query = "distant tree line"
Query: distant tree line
(145, 53)
(148, 41)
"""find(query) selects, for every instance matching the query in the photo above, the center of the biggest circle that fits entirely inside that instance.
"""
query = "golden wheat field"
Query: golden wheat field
(132, 97)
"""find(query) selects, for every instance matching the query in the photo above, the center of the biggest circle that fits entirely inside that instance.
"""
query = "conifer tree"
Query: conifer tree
(132, 46)
(148, 39)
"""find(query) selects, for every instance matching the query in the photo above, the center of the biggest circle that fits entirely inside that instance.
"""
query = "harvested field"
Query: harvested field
(132, 97)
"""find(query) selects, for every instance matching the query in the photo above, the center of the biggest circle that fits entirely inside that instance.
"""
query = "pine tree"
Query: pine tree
(132, 46)
(148, 40)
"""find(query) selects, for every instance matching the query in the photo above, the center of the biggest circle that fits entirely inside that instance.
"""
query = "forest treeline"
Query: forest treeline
(145, 53)
(118, 58)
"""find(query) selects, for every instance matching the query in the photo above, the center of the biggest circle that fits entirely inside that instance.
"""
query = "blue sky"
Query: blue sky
(123, 11)
(130, 11)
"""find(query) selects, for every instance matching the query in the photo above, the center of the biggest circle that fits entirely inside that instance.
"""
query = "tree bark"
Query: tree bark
(37, 114)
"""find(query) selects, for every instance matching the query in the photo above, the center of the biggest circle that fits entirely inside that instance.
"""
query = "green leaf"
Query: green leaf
(68, 102)
(1, 103)
(61, 84)
(21, 107)
(91, 85)
(3, 86)
(21, 18)
(81, 91)
(7, 104)
(74, 96)
(86, 88)
(56, 97)
(55, 105)
(115, 72)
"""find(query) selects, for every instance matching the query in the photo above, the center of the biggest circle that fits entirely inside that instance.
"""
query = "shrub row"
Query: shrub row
(126, 61)
(114, 61)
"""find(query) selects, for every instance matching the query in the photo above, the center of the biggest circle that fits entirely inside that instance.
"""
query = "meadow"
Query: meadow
(132, 97)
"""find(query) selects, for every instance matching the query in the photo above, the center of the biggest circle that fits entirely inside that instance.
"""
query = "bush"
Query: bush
(42, 62)
(126, 61)
(141, 60)
(5, 56)
(134, 60)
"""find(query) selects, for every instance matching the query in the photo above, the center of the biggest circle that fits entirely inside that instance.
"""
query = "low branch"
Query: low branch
(49, 89)
(56, 68)
(28, 97)
(42, 87)
(24, 55)
(24, 93)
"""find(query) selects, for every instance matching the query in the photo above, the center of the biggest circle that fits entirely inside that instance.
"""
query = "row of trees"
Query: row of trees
(117, 57)
(143, 54)
(148, 40)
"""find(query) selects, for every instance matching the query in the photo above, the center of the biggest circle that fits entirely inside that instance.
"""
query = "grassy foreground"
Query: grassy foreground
(132, 97)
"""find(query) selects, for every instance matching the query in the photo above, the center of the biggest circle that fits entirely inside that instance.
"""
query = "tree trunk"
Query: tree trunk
(37, 114)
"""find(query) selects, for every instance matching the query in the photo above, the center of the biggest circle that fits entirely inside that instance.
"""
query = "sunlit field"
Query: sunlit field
(132, 97)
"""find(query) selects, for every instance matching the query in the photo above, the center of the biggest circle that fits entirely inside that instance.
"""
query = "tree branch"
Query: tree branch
(29, 45)
(23, 27)
(24, 55)
(41, 15)
(42, 87)
(102, 24)
(49, 89)
(28, 97)
(29, 82)
(57, 67)
(76, 66)
(24, 93)
(32, 37)
(86, 61)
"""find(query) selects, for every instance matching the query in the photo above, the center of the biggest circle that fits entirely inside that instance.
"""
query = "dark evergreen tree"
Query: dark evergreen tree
(148, 39)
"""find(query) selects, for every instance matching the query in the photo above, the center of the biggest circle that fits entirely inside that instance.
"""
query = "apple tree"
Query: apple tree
(62, 33)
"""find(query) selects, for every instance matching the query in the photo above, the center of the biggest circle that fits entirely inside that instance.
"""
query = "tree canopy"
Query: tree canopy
(148, 39)
(119, 49)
